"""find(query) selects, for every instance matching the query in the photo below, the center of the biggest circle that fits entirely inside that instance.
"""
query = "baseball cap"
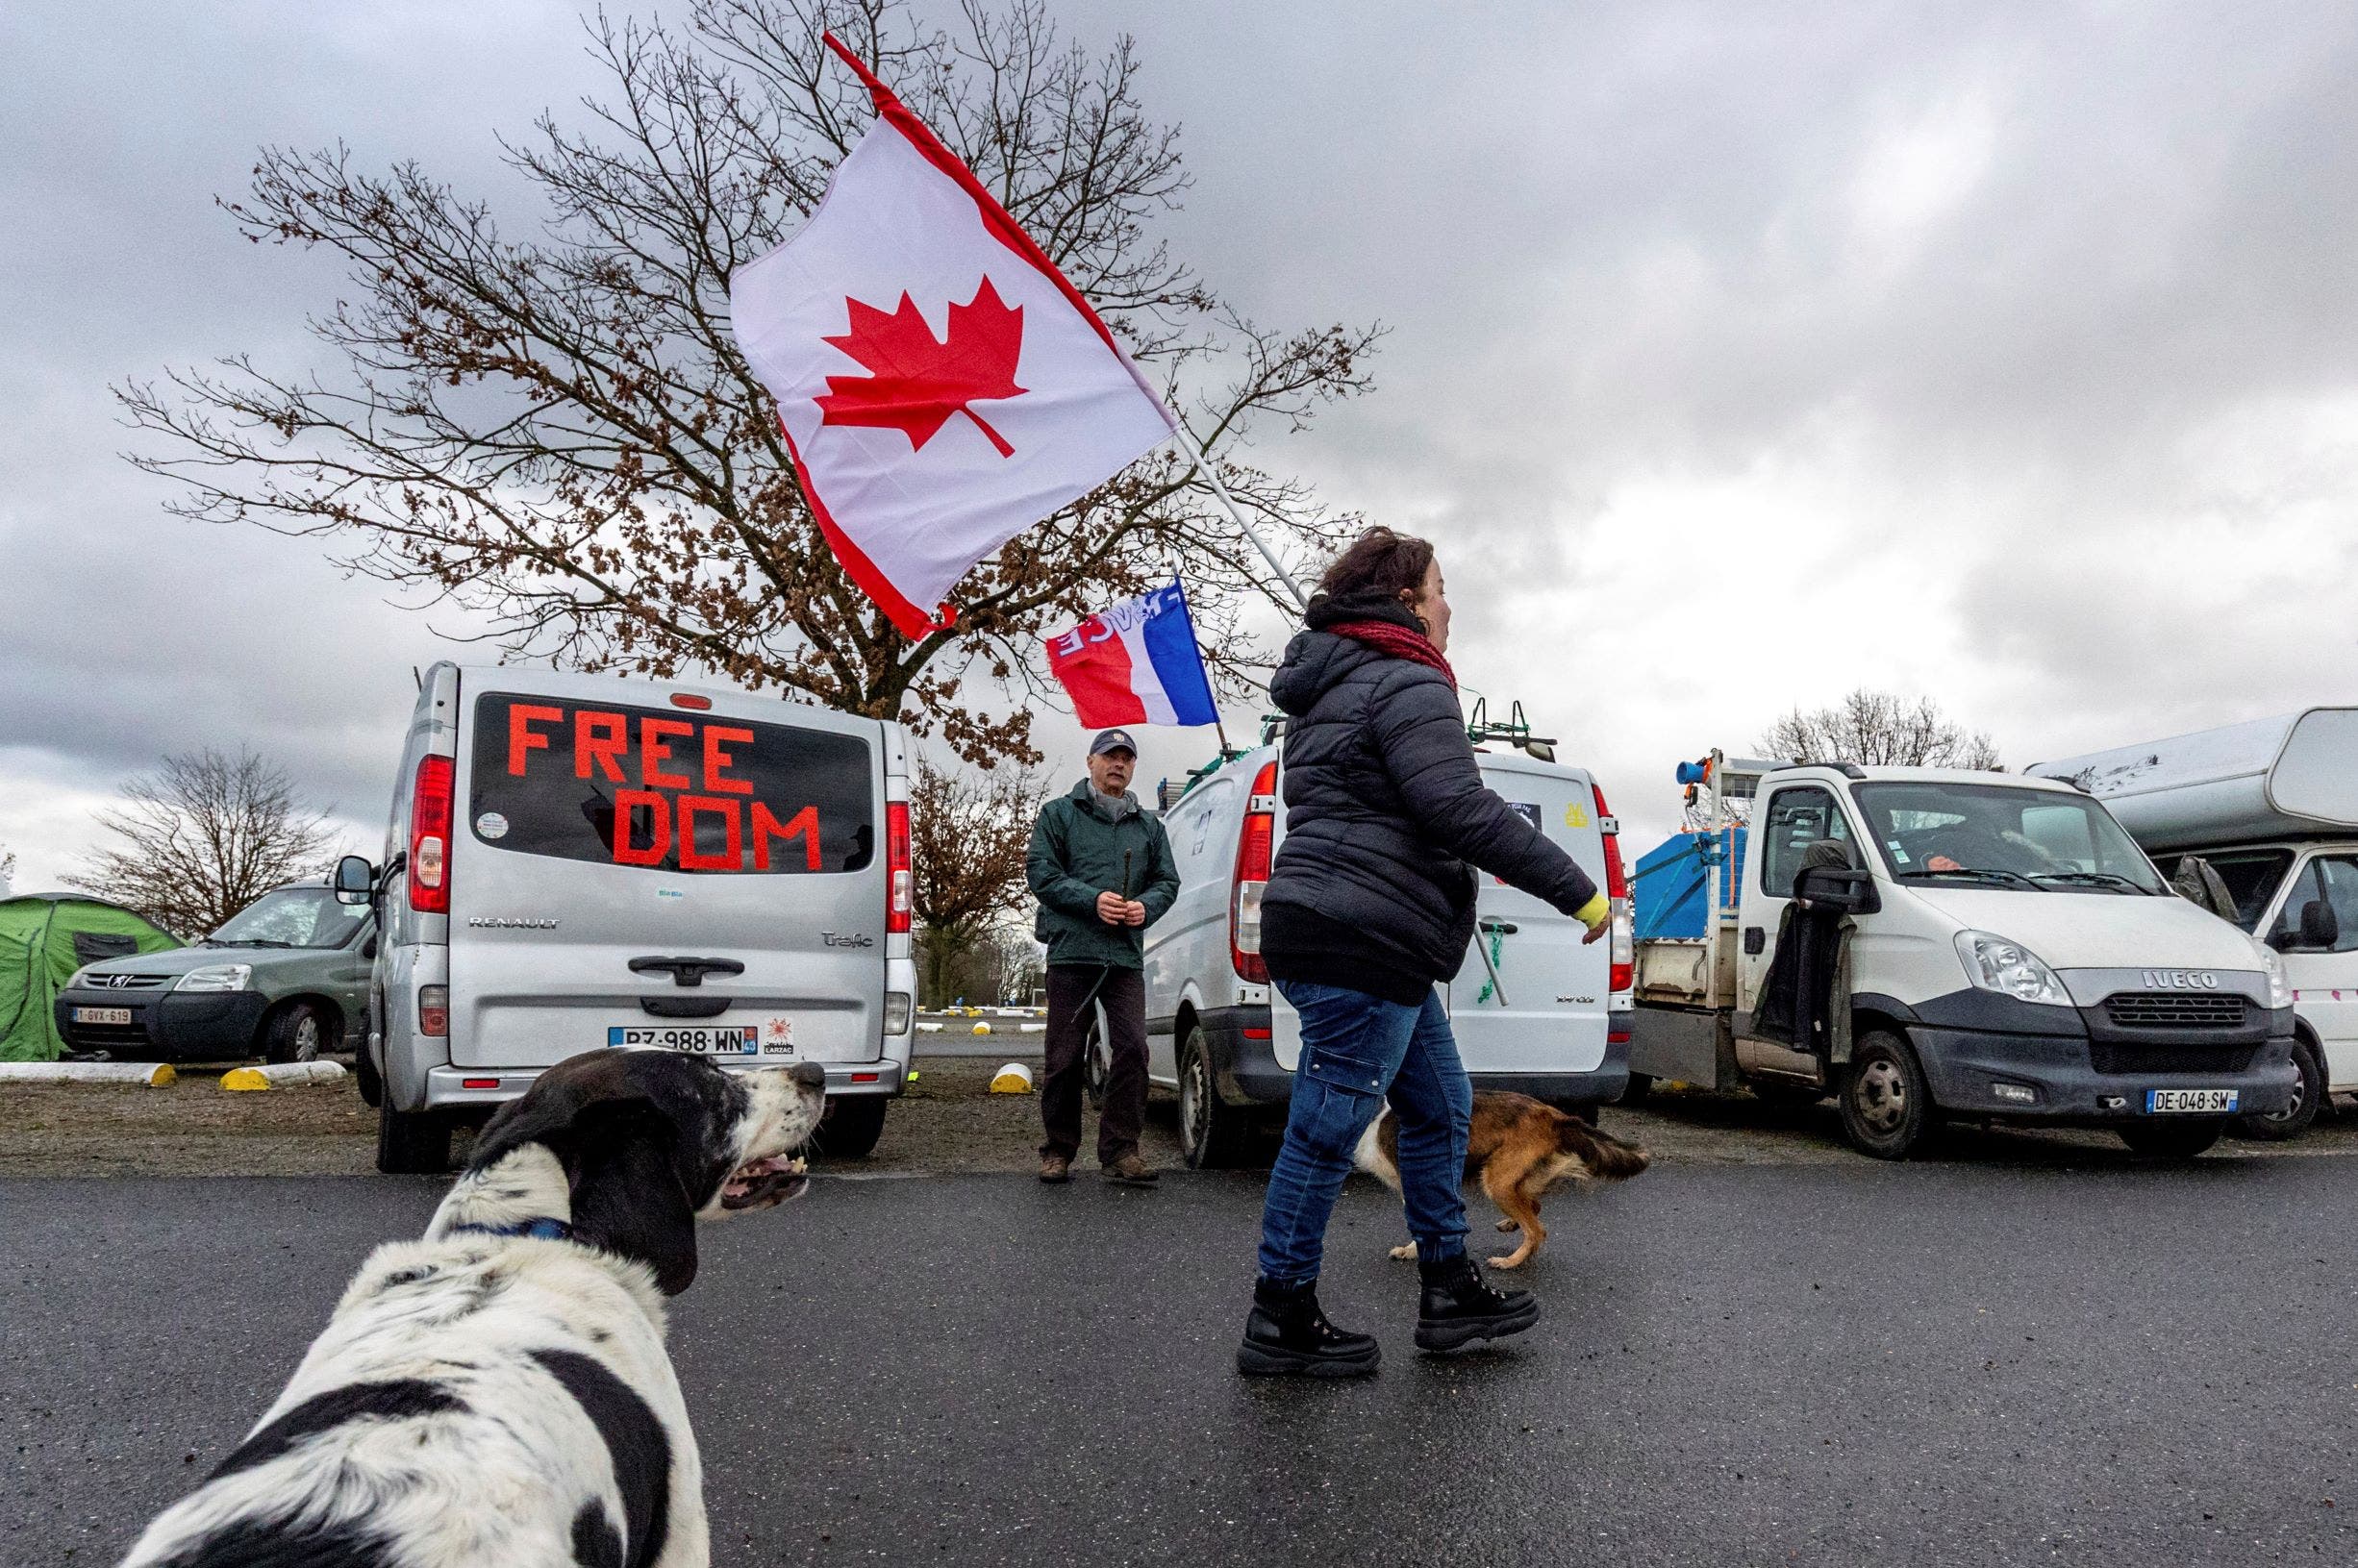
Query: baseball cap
(1113, 740)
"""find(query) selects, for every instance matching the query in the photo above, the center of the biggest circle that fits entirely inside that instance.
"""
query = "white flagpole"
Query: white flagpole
(1203, 466)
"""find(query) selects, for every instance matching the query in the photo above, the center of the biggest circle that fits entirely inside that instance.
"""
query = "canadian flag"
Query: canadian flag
(942, 386)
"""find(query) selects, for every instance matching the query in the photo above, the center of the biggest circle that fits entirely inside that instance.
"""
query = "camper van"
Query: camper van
(1534, 1009)
(575, 861)
(1923, 943)
(2271, 807)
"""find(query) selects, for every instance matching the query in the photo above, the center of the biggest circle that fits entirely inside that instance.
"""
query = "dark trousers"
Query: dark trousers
(1076, 993)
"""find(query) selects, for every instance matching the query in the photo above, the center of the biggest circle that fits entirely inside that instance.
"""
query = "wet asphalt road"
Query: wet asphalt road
(1936, 1363)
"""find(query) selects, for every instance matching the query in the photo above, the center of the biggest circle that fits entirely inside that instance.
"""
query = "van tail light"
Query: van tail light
(434, 1011)
(901, 897)
(1617, 892)
(430, 815)
(1254, 844)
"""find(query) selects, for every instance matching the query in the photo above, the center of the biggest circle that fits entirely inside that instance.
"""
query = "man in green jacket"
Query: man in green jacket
(1102, 871)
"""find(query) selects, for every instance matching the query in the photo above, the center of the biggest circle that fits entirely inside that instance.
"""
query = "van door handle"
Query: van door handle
(686, 971)
(1755, 939)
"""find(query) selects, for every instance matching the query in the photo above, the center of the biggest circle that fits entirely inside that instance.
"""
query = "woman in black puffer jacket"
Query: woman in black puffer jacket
(1371, 905)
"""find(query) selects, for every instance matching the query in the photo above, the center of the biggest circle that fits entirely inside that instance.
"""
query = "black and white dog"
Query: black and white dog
(498, 1393)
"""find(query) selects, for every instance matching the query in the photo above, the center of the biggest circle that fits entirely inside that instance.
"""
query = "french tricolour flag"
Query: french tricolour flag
(1136, 664)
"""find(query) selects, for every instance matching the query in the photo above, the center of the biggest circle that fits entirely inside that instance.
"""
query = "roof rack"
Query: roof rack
(1515, 731)
(1849, 770)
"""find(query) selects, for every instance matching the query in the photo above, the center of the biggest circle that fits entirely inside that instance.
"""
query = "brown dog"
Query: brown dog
(1520, 1148)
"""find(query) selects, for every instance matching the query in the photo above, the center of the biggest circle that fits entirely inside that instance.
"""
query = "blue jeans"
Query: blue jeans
(1359, 1050)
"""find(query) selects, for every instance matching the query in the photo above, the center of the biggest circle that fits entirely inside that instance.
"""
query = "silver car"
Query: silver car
(577, 861)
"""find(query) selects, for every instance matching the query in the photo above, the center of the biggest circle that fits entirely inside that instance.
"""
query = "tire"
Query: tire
(1097, 1062)
(2174, 1140)
(1640, 1085)
(412, 1142)
(364, 1075)
(1886, 1105)
(300, 1032)
(2308, 1096)
(1212, 1135)
(851, 1126)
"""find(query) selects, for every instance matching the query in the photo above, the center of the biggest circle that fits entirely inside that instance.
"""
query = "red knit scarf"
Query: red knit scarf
(1399, 642)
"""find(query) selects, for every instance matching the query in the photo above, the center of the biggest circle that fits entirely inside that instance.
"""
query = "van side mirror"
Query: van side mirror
(1843, 890)
(356, 879)
(2321, 928)
(368, 949)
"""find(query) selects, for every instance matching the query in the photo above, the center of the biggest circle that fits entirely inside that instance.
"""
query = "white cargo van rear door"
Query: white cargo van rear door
(1552, 1015)
(633, 863)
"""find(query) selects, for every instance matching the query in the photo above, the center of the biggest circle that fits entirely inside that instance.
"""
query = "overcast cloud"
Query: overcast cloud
(1741, 355)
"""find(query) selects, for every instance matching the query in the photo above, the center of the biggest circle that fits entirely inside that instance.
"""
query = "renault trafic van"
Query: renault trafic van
(576, 862)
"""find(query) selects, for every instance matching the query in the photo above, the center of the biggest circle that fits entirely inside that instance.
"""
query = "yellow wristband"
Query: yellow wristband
(1595, 913)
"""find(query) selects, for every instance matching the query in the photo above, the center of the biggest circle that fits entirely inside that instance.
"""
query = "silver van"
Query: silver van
(576, 862)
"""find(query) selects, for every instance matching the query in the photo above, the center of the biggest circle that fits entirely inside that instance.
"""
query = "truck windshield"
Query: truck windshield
(291, 917)
(2003, 836)
(2251, 881)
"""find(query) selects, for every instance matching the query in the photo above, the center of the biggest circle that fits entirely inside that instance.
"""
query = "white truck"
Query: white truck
(1546, 1015)
(1926, 943)
(2271, 807)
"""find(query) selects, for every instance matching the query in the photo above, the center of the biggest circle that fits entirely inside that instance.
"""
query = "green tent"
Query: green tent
(44, 937)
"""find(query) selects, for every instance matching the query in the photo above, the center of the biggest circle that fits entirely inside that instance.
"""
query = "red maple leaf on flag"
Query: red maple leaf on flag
(919, 383)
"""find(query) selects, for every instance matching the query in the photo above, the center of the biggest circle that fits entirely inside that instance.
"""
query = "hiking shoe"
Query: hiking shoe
(1286, 1336)
(1459, 1307)
(1131, 1171)
(1055, 1168)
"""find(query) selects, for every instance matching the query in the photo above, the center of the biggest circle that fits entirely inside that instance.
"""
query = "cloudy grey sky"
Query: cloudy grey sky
(1741, 354)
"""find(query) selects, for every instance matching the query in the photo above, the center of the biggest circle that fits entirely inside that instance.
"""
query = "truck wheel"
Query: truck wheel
(412, 1142)
(2174, 1140)
(299, 1031)
(2308, 1095)
(364, 1075)
(850, 1127)
(1212, 1135)
(1885, 1103)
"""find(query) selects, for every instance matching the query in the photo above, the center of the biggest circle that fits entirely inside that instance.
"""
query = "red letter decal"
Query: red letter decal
(602, 738)
(693, 857)
(717, 761)
(521, 717)
(654, 751)
(627, 803)
(767, 827)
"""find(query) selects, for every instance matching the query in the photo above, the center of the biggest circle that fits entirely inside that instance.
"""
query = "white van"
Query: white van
(1555, 1026)
(576, 862)
(2273, 807)
(1924, 943)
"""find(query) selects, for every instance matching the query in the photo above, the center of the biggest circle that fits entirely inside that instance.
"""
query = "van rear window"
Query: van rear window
(670, 790)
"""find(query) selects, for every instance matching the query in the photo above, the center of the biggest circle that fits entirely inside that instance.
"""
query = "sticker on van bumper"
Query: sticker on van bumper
(727, 1041)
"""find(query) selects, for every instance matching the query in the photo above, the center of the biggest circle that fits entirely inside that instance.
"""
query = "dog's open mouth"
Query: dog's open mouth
(765, 1182)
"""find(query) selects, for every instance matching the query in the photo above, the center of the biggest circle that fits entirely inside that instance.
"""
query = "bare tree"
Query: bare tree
(967, 839)
(559, 431)
(1878, 726)
(202, 837)
(8, 872)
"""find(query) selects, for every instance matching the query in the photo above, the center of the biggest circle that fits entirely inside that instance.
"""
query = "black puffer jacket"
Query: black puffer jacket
(1383, 810)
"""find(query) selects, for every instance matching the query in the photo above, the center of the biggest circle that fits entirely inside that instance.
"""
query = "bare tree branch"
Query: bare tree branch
(1874, 728)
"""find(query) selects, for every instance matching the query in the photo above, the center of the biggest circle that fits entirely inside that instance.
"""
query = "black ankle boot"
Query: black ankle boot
(1287, 1335)
(1459, 1307)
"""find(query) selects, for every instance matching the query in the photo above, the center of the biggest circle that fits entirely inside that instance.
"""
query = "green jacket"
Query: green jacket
(1076, 854)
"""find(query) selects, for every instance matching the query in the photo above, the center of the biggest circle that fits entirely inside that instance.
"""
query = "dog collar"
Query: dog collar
(542, 1228)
